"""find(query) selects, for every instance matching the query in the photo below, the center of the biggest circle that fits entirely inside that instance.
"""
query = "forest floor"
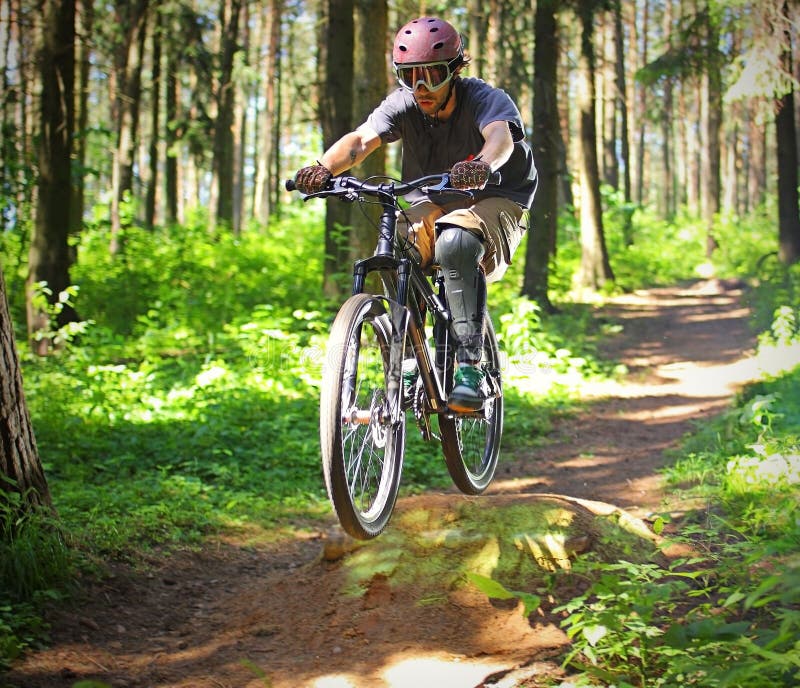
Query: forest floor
(239, 613)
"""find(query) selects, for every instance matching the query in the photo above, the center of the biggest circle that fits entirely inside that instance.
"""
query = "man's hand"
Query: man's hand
(470, 174)
(312, 179)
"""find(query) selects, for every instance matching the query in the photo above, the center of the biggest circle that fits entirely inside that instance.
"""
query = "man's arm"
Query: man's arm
(351, 149)
(498, 144)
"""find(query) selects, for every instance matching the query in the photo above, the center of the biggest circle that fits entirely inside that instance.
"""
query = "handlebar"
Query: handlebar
(433, 183)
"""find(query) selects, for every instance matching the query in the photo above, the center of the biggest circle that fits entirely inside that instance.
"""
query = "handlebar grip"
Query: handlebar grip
(289, 184)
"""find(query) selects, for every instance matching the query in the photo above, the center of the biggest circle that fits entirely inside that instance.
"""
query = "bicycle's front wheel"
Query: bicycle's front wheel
(471, 442)
(362, 437)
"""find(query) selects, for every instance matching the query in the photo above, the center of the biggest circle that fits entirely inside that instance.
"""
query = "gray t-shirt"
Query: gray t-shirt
(431, 147)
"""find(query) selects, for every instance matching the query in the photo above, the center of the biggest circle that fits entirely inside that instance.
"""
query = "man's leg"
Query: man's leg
(415, 231)
(459, 253)
(467, 241)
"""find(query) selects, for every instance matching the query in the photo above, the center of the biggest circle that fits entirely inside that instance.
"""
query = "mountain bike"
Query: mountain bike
(390, 355)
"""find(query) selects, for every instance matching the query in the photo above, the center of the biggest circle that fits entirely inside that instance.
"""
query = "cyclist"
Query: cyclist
(460, 124)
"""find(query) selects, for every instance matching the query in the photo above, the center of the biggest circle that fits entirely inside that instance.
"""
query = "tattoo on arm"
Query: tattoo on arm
(353, 155)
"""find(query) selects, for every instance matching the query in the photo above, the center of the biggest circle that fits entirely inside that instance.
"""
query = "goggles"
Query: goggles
(432, 75)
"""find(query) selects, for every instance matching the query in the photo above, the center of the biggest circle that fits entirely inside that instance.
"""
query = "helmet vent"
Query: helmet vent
(438, 45)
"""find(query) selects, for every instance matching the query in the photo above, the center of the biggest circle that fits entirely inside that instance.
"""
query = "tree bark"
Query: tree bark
(667, 209)
(155, 124)
(171, 112)
(223, 130)
(786, 135)
(610, 103)
(624, 133)
(48, 259)
(132, 20)
(595, 269)
(642, 105)
(20, 466)
(371, 18)
(711, 106)
(336, 61)
(267, 152)
(85, 19)
(546, 152)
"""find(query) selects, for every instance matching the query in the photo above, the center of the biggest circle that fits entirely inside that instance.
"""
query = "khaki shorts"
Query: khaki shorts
(498, 222)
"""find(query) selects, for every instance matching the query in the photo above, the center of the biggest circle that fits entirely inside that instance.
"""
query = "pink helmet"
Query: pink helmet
(427, 39)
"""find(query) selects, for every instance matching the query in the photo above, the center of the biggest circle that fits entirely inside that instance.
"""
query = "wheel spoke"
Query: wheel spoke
(362, 450)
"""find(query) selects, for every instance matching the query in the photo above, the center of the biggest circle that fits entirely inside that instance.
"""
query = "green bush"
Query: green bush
(36, 565)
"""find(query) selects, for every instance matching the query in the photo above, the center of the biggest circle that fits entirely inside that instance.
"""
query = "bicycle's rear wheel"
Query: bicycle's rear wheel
(362, 448)
(471, 442)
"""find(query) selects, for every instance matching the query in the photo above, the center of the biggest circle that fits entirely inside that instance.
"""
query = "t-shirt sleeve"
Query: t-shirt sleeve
(495, 105)
(385, 119)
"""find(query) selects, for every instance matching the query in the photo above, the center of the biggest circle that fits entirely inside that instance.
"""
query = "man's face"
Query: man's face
(430, 101)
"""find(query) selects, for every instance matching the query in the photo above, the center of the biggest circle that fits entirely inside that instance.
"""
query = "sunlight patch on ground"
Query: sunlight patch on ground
(420, 672)
(434, 672)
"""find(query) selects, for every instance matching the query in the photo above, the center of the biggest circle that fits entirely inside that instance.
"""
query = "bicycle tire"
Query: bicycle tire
(471, 442)
(362, 450)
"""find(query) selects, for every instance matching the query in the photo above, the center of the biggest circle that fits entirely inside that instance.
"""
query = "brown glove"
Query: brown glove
(470, 174)
(312, 179)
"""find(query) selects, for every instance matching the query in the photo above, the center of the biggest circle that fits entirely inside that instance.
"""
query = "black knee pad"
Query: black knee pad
(459, 253)
(458, 249)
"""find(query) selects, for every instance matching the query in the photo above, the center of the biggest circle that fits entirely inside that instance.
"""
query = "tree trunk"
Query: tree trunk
(48, 260)
(336, 62)
(155, 124)
(243, 96)
(756, 162)
(371, 18)
(478, 27)
(668, 184)
(641, 114)
(171, 111)
(85, 19)
(695, 142)
(786, 135)
(609, 102)
(223, 130)
(712, 125)
(132, 22)
(624, 134)
(595, 269)
(20, 467)
(546, 147)
(267, 152)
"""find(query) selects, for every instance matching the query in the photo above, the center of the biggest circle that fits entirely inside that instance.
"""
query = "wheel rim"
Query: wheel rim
(367, 433)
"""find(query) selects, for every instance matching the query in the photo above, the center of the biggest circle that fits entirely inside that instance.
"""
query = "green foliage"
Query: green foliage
(662, 252)
(183, 282)
(495, 590)
(644, 249)
(729, 615)
(35, 566)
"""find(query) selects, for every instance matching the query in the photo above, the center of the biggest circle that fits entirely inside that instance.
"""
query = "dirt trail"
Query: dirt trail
(238, 616)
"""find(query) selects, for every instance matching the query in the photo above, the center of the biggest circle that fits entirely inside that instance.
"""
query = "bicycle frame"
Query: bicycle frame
(408, 323)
